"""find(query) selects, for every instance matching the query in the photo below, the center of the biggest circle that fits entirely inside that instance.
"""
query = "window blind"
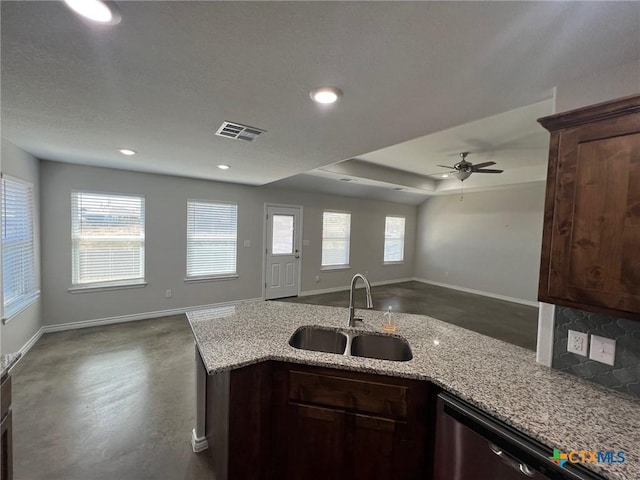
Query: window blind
(212, 238)
(336, 235)
(18, 256)
(394, 239)
(107, 239)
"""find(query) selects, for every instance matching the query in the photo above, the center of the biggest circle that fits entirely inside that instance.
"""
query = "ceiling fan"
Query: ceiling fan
(464, 169)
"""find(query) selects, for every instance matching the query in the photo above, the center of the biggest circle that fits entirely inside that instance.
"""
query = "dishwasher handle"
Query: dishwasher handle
(512, 461)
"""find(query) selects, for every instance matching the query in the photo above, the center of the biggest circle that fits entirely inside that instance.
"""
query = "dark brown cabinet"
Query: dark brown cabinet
(310, 443)
(336, 424)
(591, 240)
(6, 443)
(286, 421)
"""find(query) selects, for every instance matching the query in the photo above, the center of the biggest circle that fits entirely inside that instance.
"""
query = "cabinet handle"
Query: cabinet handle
(512, 462)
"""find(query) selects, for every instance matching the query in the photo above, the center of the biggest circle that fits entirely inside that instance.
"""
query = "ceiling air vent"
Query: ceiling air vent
(238, 131)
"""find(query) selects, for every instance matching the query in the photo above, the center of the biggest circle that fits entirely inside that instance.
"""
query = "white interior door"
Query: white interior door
(282, 268)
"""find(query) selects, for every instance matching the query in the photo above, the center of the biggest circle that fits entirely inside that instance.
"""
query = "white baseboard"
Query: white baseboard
(391, 282)
(198, 444)
(359, 285)
(31, 342)
(529, 303)
(137, 316)
(323, 290)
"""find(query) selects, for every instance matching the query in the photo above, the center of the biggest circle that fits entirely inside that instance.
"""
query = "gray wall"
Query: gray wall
(166, 241)
(599, 87)
(489, 241)
(24, 325)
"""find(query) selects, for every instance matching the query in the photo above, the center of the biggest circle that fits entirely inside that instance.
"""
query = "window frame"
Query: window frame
(24, 300)
(384, 247)
(212, 276)
(119, 284)
(343, 266)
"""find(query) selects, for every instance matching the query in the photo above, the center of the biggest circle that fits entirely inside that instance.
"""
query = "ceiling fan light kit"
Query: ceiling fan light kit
(462, 175)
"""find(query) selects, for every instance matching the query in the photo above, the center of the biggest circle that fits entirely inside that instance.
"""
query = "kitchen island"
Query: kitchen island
(503, 380)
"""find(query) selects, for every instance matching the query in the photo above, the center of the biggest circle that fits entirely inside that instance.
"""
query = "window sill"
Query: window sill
(336, 267)
(106, 288)
(22, 307)
(212, 278)
(394, 263)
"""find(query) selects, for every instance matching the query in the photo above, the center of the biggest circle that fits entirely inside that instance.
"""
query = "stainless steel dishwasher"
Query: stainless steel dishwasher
(470, 445)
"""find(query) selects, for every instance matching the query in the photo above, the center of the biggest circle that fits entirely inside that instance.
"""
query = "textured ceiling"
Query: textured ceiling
(163, 80)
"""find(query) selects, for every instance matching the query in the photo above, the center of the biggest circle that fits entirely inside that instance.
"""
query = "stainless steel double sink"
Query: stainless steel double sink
(357, 344)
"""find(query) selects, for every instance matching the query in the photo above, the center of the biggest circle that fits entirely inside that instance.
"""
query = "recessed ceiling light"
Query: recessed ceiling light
(444, 175)
(325, 95)
(126, 151)
(101, 11)
(222, 166)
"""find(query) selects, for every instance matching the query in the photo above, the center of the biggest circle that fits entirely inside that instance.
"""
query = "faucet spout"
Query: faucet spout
(352, 310)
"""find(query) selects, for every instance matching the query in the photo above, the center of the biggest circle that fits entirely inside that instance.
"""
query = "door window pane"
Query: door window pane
(282, 236)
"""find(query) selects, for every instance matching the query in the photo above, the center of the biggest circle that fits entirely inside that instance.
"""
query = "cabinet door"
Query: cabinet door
(339, 425)
(6, 448)
(315, 443)
(593, 245)
(380, 450)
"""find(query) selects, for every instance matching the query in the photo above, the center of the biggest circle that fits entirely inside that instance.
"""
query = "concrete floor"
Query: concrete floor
(507, 321)
(108, 403)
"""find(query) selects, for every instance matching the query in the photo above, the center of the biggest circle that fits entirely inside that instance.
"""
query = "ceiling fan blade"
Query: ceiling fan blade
(482, 165)
(446, 166)
(488, 170)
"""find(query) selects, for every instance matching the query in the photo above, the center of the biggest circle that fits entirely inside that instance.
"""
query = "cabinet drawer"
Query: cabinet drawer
(382, 399)
(5, 396)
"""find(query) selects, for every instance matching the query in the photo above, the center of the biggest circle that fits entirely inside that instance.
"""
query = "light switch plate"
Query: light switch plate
(577, 343)
(306, 243)
(603, 350)
(247, 243)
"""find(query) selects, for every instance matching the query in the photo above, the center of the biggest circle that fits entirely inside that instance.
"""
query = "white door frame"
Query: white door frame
(265, 243)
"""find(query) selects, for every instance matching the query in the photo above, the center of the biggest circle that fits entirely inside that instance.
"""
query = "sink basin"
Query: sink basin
(382, 347)
(319, 340)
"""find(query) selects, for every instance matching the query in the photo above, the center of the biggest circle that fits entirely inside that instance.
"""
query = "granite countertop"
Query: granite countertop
(7, 361)
(559, 410)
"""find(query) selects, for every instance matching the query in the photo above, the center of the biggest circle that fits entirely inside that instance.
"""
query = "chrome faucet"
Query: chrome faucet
(352, 309)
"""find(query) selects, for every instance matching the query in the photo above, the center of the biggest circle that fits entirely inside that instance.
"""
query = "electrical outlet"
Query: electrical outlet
(306, 243)
(577, 343)
(317, 278)
(603, 350)
(167, 293)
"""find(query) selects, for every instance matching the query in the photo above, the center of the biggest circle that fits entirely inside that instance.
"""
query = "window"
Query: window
(336, 233)
(212, 239)
(19, 281)
(394, 239)
(107, 233)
